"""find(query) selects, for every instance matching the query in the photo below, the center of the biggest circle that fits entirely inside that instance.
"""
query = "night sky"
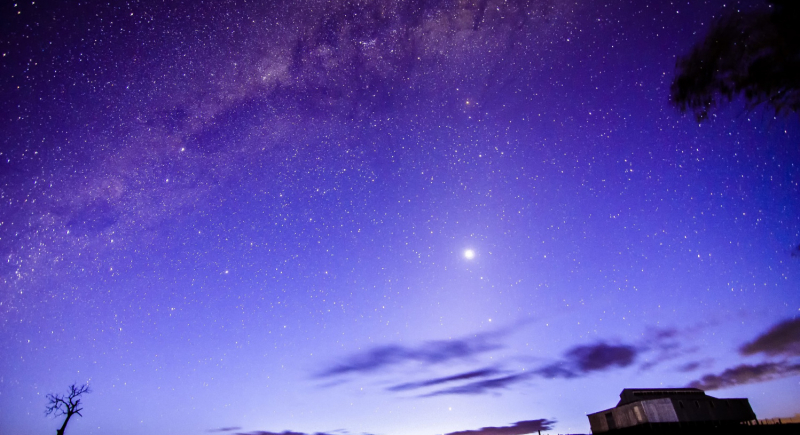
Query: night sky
(382, 217)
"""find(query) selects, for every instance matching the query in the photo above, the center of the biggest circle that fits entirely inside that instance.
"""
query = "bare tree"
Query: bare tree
(66, 405)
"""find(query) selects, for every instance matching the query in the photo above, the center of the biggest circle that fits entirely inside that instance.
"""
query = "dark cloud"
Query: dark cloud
(578, 361)
(601, 356)
(225, 429)
(781, 339)
(581, 360)
(432, 352)
(518, 428)
(746, 374)
(437, 381)
(481, 387)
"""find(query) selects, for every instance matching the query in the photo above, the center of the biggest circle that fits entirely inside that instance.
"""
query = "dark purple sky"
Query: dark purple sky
(253, 217)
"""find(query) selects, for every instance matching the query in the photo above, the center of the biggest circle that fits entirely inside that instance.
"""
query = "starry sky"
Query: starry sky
(382, 217)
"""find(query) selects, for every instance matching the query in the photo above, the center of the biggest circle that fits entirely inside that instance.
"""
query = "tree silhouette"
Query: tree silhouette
(66, 405)
(754, 54)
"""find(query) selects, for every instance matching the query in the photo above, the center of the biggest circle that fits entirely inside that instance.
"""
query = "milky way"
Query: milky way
(420, 217)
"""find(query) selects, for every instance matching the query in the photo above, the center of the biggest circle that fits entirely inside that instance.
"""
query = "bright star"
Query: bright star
(469, 254)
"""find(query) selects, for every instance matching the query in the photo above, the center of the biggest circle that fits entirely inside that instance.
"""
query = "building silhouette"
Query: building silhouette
(680, 411)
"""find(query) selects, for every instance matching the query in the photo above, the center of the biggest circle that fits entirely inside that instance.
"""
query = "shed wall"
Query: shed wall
(626, 416)
(713, 410)
(659, 411)
(597, 422)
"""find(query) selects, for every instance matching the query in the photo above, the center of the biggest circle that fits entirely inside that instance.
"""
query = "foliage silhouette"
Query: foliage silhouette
(754, 54)
(66, 405)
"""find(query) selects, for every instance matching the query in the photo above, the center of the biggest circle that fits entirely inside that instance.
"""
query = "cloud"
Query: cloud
(518, 428)
(262, 432)
(601, 356)
(664, 340)
(431, 382)
(382, 359)
(666, 344)
(781, 339)
(661, 334)
(690, 366)
(481, 387)
(582, 360)
(746, 374)
(225, 429)
(431, 352)
(557, 370)
(578, 361)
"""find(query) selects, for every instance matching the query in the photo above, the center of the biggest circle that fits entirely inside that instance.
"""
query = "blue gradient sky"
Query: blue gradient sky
(252, 216)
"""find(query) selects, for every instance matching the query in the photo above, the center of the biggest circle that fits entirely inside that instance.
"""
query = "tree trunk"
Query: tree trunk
(63, 426)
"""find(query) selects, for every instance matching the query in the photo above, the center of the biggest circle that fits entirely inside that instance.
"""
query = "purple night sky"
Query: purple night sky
(382, 217)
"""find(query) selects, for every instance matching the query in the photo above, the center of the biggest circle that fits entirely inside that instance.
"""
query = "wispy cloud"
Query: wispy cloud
(746, 374)
(224, 429)
(429, 353)
(782, 339)
(585, 359)
(690, 366)
(447, 379)
(262, 432)
(518, 428)
(481, 387)
(576, 362)
(665, 341)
